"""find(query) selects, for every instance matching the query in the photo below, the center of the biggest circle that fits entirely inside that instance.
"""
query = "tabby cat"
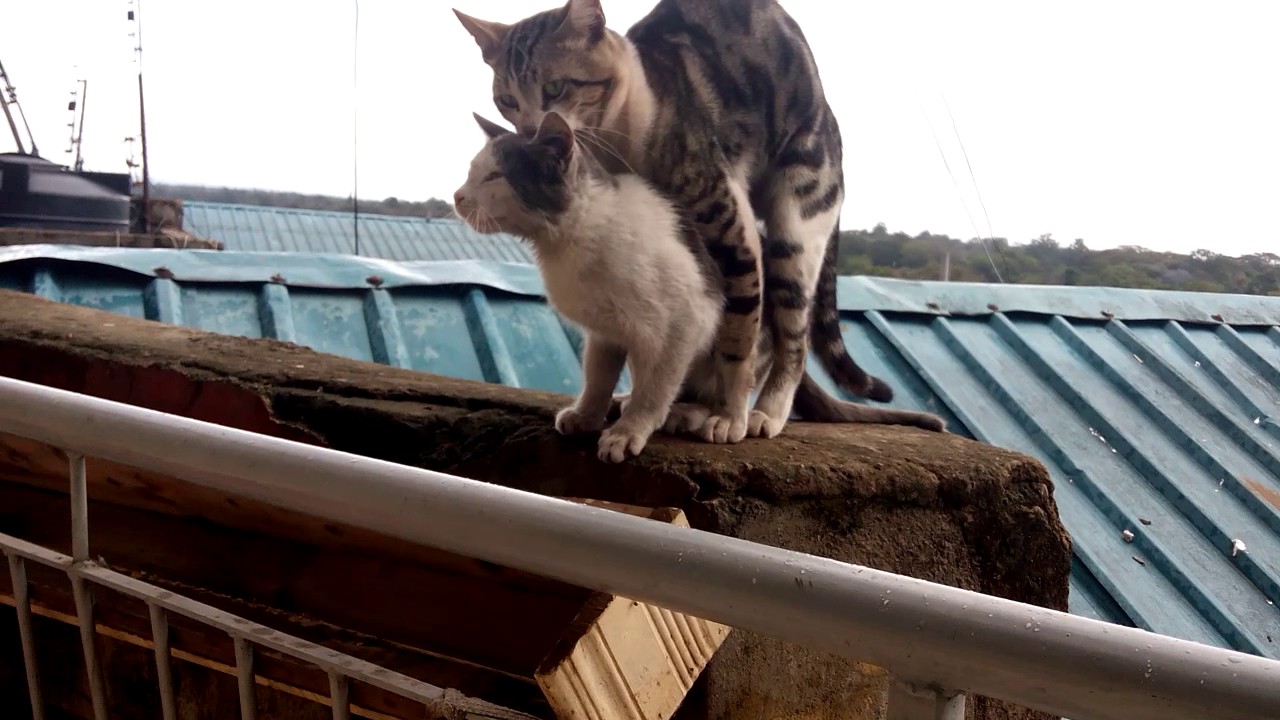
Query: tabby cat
(616, 258)
(718, 103)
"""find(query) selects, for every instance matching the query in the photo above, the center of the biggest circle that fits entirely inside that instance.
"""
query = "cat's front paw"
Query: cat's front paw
(721, 429)
(685, 418)
(761, 425)
(621, 441)
(572, 421)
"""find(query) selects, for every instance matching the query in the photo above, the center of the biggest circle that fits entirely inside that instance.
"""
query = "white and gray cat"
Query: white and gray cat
(616, 258)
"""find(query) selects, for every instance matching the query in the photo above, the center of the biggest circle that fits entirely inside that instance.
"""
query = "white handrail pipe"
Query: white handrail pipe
(1070, 666)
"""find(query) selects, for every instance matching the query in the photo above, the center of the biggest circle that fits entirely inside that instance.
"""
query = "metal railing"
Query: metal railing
(245, 634)
(938, 641)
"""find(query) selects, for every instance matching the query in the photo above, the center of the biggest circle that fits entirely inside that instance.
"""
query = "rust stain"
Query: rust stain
(1268, 495)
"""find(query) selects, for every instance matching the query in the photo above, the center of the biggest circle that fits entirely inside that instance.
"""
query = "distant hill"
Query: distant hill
(878, 252)
(431, 207)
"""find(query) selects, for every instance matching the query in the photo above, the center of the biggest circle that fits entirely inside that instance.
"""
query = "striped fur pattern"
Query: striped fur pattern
(616, 257)
(719, 104)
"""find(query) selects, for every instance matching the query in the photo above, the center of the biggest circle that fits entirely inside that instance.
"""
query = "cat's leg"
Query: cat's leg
(801, 216)
(617, 405)
(727, 226)
(602, 363)
(686, 418)
(657, 374)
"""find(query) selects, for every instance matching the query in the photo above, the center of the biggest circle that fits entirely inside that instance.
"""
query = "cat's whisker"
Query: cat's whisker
(476, 221)
(489, 223)
(604, 146)
(580, 144)
(597, 129)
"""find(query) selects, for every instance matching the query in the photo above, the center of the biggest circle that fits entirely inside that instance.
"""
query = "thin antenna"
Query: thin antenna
(11, 98)
(355, 128)
(135, 16)
(78, 100)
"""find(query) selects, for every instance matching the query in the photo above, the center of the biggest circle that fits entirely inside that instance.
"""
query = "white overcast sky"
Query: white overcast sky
(1144, 122)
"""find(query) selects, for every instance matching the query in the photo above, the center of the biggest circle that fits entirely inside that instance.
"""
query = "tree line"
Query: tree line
(430, 208)
(1045, 261)
(878, 252)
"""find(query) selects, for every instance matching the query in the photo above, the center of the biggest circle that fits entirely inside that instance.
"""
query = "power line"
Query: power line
(965, 205)
(991, 233)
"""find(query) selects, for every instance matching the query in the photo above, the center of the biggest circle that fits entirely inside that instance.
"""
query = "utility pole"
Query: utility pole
(946, 267)
(78, 101)
(136, 16)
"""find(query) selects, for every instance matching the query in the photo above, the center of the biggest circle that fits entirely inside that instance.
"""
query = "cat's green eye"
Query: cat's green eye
(508, 101)
(552, 89)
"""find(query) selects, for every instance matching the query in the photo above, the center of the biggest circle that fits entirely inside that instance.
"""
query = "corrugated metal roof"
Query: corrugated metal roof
(1151, 415)
(255, 228)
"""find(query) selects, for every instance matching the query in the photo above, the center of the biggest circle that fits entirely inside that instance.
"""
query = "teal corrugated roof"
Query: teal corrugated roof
(1155, 412)
(256, 228)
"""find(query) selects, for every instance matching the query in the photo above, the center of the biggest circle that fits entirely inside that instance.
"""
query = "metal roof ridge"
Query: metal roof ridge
(854, 293)
(935, 297)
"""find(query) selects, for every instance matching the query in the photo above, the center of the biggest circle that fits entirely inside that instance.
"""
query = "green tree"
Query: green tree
(1042, 260)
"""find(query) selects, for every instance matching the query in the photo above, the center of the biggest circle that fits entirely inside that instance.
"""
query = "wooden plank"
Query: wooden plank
(626, 660)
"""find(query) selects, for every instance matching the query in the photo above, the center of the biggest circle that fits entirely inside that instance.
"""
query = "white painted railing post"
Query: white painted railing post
(164, 665)
(245, 678)
(924, 701)
(22, 602)
(80, 590)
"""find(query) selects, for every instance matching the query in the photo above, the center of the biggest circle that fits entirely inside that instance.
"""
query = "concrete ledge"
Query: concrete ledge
(940, 508)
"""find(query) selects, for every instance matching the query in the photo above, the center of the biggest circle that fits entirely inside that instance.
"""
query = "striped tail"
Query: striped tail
(815, 405)
(827, 341)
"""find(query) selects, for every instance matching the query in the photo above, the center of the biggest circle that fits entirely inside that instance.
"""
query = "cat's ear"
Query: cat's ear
(584, 18)
(555, 133)
(488, 34)
(492, 129)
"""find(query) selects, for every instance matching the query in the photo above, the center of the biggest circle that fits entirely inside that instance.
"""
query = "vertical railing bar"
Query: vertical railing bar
(80, 587)
(244, 676)
(22, 602)
(950, 708)
(924, 701)
(84, 613)
(160, 637)
(79, 509)
(339, 696)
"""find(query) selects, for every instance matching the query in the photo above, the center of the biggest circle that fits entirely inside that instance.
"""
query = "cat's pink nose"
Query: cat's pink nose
(458, 198)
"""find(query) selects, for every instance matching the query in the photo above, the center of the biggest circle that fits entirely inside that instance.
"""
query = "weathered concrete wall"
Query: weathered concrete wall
(941, 508)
